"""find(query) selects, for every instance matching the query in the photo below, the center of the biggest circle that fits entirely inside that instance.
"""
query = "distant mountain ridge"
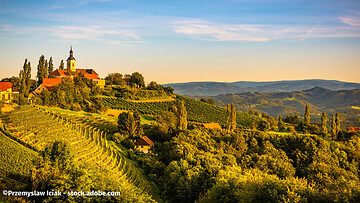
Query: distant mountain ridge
(319, 100)
(217, 88)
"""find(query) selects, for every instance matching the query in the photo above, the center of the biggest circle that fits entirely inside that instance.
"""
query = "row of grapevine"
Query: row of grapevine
(37, 127)
(149, 108)
(197, 111)
(10, 154)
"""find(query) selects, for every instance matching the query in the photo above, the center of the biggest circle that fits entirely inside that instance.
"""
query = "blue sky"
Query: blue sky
(180, 41)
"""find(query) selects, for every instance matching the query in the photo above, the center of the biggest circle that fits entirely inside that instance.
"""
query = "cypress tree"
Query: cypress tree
(182, 114)
(61, 66)
(228, 118)
(233, 118)
(51, 66)
(24, 79)
(324, 120)
(280, 123)
(337, 124)
(41, 71)
(333, 127)
(307, 115)
(46, 68)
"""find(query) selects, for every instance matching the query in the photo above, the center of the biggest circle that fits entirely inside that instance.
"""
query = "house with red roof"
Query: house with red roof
(47, 84)
(6, 92)
(144, 144)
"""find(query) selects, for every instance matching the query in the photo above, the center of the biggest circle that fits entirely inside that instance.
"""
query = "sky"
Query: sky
(186, 40)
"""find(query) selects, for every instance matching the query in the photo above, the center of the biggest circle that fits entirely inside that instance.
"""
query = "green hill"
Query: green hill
(197, 111)
(38, 127)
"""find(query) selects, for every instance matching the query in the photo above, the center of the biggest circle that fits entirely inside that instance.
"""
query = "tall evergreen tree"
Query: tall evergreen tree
(25, 82)
(51, 66)
(324, 120)
(307, 115)
(46, 68)
(337, 124)
(61, 66)
(232, 118)
(41, 70)
(280, 123)
(333, 127)
(228, 118)
(182, 116)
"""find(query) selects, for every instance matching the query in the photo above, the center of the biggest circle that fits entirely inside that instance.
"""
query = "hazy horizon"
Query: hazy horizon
(187, 41)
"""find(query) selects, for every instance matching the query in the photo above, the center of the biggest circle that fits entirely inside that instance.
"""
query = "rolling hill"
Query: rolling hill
(216, 88)
(282, 103)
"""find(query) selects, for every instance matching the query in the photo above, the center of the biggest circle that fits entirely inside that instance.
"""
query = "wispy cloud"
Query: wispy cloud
(351, 20)
(104, 34)
(205, 30)
(109, 35)
(4, 27)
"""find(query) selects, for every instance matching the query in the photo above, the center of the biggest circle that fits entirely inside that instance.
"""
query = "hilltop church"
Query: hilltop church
(55, 77)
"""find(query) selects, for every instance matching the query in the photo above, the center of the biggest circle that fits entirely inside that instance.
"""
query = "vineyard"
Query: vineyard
(38, 127)
(16, 159)
(105, 125)
(197, 111)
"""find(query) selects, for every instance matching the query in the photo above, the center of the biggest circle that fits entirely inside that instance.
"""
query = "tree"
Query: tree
(61, 66)
(228, 117)
(182, 114)
(203, 100)
(51, 66)
(307, 115)
(231, 117)
(115, 79)
(211, 101)
(138, 79)
(337, 122)
(153, 86)
(324, 120)
(41, 70)
(129, 124)
(281, 125)
(25, 82)
(333, 127)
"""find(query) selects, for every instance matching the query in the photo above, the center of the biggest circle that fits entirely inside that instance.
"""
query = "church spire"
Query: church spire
(71, 61)
(71, 51)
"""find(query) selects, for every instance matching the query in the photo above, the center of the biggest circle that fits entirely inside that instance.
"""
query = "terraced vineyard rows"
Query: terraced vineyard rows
(150, 108)
(197, 111)
(38, 127)
(15, 158)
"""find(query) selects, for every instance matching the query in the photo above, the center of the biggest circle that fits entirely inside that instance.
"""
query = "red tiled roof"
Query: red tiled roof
(91, 76)
(5, 85)
(51, 81)
(59, 72)
(144, 141)
(86, 71)
(127, 79)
